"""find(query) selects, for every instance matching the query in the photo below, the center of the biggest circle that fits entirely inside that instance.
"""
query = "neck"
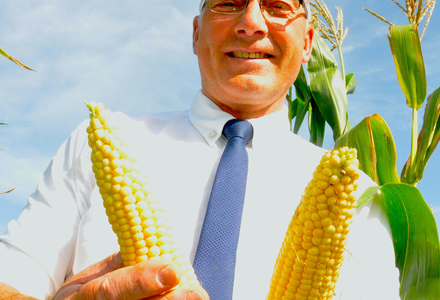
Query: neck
(246, 112)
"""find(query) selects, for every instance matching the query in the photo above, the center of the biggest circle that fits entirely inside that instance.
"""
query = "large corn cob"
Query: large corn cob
(311, 255)
(136, 216)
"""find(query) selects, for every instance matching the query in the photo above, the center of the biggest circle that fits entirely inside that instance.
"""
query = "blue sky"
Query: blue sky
(137, 58)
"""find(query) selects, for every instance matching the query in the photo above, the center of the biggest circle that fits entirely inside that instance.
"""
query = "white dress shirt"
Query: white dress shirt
(64, 229)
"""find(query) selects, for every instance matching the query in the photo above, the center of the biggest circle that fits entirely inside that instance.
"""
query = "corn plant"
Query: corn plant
(324, 98)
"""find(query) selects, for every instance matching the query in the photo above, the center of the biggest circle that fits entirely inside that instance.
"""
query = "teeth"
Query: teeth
(241, 54)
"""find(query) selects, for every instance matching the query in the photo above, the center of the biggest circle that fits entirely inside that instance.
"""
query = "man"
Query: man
(249, 54)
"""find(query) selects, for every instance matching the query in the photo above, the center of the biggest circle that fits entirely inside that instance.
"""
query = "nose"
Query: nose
(252, 21)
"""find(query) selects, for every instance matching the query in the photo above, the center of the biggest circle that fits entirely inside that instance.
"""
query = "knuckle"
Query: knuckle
(106, 290)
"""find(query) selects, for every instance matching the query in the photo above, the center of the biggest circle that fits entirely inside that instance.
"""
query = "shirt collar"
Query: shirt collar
(209, 120)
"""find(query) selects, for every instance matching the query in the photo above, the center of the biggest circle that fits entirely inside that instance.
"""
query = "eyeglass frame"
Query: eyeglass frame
(301, 2)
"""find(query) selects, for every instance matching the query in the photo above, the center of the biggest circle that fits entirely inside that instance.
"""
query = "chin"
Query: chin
(251, 84)
(255, 86)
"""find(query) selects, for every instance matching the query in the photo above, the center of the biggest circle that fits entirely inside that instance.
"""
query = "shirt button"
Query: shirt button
(213, 134)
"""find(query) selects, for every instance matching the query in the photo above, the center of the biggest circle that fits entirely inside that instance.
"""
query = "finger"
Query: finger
(107, 265)
(143, 280)
(186, 293)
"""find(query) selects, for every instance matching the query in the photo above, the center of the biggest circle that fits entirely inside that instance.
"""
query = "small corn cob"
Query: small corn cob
(135, 214)
(311, 255)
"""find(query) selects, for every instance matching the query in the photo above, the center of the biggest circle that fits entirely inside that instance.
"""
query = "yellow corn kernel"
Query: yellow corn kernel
(316, 236)
(136, 216)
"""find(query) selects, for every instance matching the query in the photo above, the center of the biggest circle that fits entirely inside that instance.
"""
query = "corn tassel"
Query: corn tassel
(135, 214)
(311, 255)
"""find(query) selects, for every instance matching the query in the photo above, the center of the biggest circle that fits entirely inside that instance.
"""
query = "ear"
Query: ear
(308, 43)
(196, 31)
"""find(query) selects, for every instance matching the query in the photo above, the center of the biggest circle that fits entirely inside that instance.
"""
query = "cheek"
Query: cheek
(208, 66)
(209, 54)
(293, 53)
(205, 56)
(291, 62)
(293, 42)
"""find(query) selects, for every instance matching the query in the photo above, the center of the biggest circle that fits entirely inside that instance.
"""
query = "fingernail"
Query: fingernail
(167, 276)
(195, 295)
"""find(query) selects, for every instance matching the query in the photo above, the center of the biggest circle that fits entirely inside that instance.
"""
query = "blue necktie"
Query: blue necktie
(214, 262)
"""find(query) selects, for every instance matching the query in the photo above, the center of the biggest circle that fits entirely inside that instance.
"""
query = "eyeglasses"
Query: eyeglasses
(277, 11)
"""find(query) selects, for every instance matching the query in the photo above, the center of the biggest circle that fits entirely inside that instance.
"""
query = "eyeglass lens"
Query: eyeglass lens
(273, 7)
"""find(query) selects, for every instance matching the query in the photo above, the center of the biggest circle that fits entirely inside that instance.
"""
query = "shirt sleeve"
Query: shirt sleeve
(368, 271)
(36, 253)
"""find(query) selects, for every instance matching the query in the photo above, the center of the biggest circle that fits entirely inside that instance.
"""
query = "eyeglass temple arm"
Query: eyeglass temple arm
(305, 8)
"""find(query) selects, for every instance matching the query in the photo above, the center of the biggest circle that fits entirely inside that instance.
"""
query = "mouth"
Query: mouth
(251, 55)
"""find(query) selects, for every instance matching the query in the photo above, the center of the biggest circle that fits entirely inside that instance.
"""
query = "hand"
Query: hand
(109, 279)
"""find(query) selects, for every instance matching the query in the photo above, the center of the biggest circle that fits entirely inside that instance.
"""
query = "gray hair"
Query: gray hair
(306, 2)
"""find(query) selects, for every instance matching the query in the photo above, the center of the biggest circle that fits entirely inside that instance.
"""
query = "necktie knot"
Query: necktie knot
(238, 128)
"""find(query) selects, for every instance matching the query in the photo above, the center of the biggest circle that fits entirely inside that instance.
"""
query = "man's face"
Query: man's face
(256, 85)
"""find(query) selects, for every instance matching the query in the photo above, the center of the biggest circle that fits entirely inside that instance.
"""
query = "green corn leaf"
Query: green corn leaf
(297, 109)
(407, 53)
(316, 124)
(14, 60)
(293, 109)
(301, 86)
(302, 109)
(368, 195)
(376, 150)
(3, 53)
(427, 142)
(301, 104)
(328, 87)
(432, 116)
(350, 83)
(416, 241)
